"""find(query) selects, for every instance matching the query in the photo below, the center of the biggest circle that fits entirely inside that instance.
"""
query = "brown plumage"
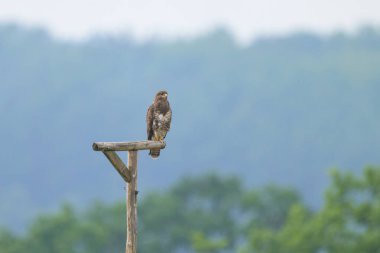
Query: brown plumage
(158, 120)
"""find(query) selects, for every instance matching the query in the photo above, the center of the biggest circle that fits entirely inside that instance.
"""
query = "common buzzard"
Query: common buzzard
(158, 120)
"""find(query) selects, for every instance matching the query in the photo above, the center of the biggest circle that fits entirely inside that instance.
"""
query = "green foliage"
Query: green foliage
(10, 243)
(348, 222)
(201, 244)
(206, 203)
(269, 206)
(215, 214)
(56, 233)
(99, 230)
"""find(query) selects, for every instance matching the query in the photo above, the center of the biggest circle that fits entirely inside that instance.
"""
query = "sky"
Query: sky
(144, 19)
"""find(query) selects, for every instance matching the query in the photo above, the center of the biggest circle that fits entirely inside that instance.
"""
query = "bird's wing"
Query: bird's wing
(168, 119)
(149, 122)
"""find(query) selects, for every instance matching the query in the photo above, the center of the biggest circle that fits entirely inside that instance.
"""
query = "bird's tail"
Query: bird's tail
(154, 153)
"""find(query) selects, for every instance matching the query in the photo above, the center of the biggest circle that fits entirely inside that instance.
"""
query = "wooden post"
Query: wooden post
(129, 174)
(131, 246)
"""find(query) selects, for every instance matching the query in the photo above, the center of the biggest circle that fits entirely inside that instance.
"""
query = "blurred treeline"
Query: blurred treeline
(213, 213)
(282, 108)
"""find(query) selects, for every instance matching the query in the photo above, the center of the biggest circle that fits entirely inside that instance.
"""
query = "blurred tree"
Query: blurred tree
(10, 243)
(102, 228)
(212, 213)
(201, 244)
(207, 203)
(269, 206)
(349, 221)
(353, 206)
(57, 233)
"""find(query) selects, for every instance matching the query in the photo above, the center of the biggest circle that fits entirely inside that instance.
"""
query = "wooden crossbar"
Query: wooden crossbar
(127, 146)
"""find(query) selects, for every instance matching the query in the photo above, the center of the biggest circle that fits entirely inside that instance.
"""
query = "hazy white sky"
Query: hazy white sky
(172, 18)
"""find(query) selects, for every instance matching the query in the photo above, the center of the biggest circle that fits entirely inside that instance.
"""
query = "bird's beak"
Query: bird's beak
(165, 95)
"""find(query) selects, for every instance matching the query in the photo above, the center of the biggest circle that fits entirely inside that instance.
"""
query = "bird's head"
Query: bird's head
(162, 95)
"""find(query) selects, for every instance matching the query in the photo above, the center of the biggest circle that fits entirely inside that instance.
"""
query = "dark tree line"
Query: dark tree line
(213, 213)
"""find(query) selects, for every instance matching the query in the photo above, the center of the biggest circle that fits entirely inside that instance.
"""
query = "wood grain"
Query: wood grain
(127, 146)
(131, 245)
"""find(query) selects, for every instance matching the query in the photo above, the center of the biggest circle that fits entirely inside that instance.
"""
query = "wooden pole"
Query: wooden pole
(131, 245)
(129, 174)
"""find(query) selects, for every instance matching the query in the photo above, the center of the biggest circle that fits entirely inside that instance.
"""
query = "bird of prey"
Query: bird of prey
(158, 120)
